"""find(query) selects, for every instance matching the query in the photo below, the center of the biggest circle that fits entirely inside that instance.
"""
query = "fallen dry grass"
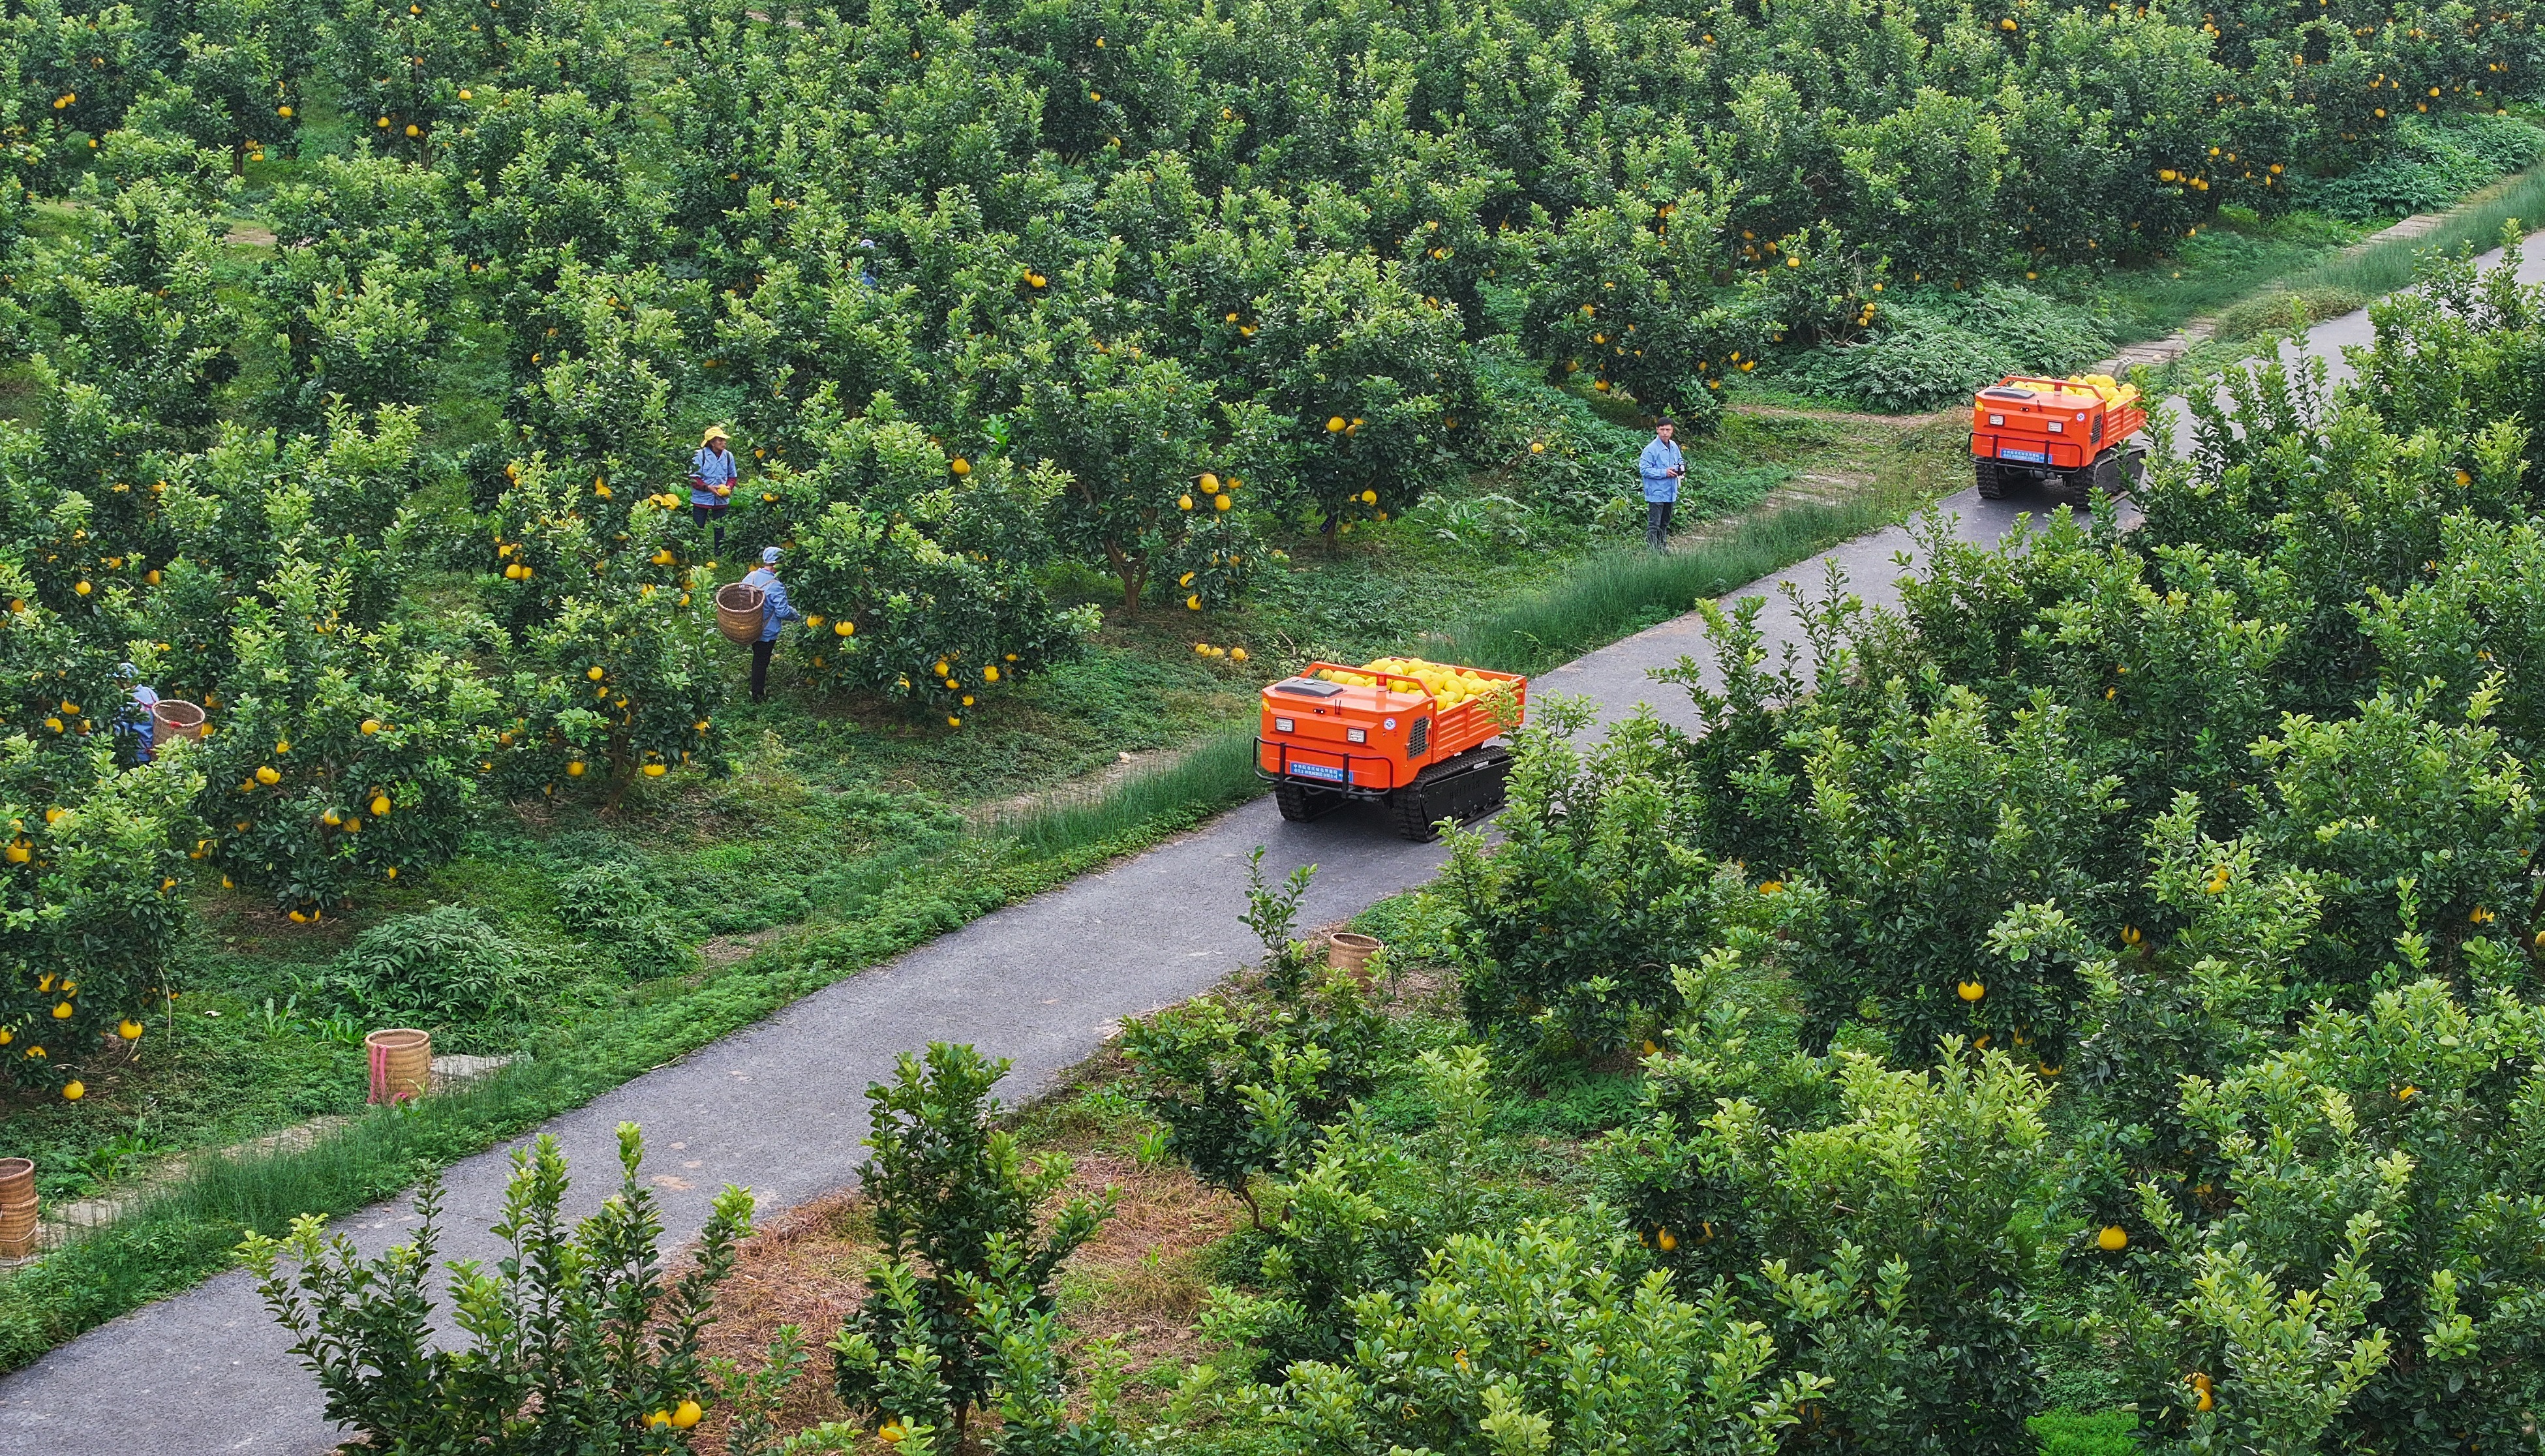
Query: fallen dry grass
(805, 1267)
(1137, 1282)
(1141, 1275)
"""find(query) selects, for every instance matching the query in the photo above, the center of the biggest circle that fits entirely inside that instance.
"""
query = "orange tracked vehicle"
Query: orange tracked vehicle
(1417, 737)
(2073, 434)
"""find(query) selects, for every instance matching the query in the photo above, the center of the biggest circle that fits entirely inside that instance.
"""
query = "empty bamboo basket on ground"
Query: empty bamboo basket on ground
(174, 717)
(741, 611)
(401, 1064)
(17, 1207)
(1350, 950)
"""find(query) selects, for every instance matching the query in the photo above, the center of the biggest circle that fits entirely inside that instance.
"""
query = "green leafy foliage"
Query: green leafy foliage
(1925, 350)
(2190, 865)
(89, 919)
(2285, 1288)
(580, 1337)
(952, 1196)
(444, 965)
(1915, 1306)
(1571, 926)
(1519, 1341)
(2431, 163)
(613, 905)
(1246, 1087)
(1333, 262)
(918, 581)
(347, 756)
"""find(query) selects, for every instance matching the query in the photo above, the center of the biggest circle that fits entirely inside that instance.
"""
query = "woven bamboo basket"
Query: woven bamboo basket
(401, 1064)
(174, 717)
(1350, 950)
(741, 611)
(17, 1207)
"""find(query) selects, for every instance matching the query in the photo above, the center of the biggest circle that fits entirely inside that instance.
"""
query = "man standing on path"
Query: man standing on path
(776, 614)
(1662, 468)
(713, 472)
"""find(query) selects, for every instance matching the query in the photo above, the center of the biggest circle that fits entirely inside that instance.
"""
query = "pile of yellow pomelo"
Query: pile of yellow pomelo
(1450, 686)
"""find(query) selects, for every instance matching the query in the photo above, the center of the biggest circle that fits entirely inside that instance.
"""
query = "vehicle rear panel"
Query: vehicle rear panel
(2052, 424)
(1320, 721)
(1309, 725)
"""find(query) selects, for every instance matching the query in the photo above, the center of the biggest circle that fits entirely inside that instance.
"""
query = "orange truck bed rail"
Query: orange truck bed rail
(1369, 740)
(2072, 436)
(2056, 423)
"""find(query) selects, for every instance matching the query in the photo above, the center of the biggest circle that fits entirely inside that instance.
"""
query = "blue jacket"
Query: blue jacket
(134, 722)
(712, 468)
(778, 612)
(1659, 458)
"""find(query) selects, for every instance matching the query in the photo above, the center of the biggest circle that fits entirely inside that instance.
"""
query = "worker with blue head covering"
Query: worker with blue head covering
(134, 724)
(777, 613)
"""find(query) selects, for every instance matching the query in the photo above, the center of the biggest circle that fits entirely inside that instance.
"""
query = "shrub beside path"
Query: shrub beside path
(779, 1108)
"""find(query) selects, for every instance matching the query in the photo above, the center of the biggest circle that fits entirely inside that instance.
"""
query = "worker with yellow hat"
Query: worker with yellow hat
(713, 472)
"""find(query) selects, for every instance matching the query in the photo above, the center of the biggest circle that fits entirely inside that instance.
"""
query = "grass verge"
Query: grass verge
(2382, 268)
(2347, 281)
(183, 1233)
(1613, 596)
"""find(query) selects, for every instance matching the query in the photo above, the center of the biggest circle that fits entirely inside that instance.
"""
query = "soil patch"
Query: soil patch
(1138, 1283)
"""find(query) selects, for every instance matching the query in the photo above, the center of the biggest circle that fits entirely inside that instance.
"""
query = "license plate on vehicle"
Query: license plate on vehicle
(2036, 458)
(1318, 770)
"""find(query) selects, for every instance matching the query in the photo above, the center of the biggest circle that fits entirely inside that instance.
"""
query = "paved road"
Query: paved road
(780, 1107)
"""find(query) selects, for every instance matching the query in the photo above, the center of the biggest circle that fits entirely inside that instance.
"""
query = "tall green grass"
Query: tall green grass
(2382, 268)
(1195, 783)
(1625, 591)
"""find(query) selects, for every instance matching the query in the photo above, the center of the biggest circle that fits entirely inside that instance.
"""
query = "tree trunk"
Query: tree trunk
(622, 770)
(1133, 576)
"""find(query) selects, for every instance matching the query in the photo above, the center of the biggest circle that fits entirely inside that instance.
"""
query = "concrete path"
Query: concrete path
(780, 1107)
